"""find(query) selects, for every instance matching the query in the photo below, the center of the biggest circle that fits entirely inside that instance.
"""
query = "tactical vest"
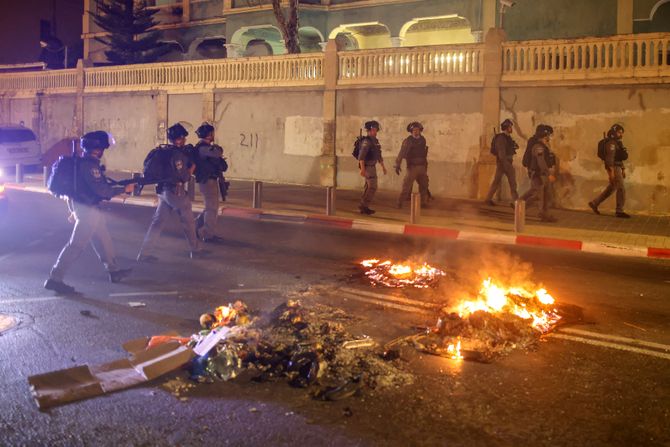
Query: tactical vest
(620, 154)
(417, 155)
(205, 167)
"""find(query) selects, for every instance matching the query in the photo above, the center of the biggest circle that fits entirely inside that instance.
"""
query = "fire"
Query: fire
(405, 274)
(454, 351)
(526, 304)
(224, 315)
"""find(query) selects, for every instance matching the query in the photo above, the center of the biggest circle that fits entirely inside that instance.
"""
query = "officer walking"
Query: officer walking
(370, 154)
(614, 155)
(172, 196)
(540, 172)
(210, 165)
(415, 151)
(504, 148)
(91, 188)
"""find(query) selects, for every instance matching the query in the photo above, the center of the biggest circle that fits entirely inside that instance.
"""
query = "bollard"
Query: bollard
(519, 215)
(257, 198)
(330, 200)
(415, 208)
(19, 173)
(191, 188)
(45, 175)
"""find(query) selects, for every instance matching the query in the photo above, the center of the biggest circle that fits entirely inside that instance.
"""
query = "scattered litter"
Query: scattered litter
(357, 344)
(88, 314)
(634, 326)
(137, 304)
(253, 410)
(346, 412)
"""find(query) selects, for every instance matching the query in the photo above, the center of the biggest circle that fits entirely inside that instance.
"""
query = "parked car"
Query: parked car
(18, 144)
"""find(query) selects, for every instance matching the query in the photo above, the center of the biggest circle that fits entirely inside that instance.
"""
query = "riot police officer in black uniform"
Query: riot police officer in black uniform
(541, 171)
(504, 148)
(210, 166)
(91, 188)
(370, 154)
(614, 156)
(173, 196)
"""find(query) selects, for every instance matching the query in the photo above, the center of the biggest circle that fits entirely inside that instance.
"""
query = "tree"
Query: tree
(288, 26)
(129, 24)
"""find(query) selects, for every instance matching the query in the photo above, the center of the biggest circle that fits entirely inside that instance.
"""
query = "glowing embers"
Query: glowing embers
(533, 306)
(406, 274)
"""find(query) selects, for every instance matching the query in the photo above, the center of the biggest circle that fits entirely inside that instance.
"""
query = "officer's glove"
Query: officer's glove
(397, 170)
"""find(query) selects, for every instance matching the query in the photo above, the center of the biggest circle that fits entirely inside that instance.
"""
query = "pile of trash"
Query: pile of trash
(308, 347)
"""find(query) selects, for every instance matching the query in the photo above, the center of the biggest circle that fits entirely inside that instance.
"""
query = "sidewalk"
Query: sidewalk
(644, 236)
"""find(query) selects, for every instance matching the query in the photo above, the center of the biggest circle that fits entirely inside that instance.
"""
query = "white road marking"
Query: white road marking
(397, 299)
(147, 293)
(30, 300)
(385, 304)
(267, 289)
(616, 338)
(607, 344)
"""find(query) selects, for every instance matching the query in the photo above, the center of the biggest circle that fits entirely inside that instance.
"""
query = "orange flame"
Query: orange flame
(455, 350)
(405, 274)
(224, 315)
(525, 304)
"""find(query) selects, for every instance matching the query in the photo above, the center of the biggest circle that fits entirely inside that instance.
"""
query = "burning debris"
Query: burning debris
(398, 275)
(498, 320)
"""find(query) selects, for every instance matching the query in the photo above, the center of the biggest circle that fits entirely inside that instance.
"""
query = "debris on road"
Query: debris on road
(402, 274)
(137, 304)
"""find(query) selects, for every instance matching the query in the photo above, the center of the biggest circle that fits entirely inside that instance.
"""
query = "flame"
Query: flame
(224, 315)
(454, 351)
(525, 304)
(404, 274)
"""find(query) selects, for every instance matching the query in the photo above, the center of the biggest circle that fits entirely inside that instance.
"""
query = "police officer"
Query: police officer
(368, 157)
(415, 151)
(90, 225)
(210, 165)
(540, 171)
(172, 196)
(504, 148)
(615, 155)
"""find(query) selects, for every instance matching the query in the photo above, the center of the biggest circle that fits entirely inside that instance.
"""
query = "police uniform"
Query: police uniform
(209, 166)
(504, 148)
(613, 161)
(371, 154)
(539, 179)
(415, 152)
(90, 224)
(172, 196)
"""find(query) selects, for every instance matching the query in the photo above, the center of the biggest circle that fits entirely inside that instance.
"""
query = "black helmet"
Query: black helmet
(544, 130)
(204, 130)
(176, 131)
(414, 124)
(98, 139)
(372, 125)
(616, 128)
(506, 124)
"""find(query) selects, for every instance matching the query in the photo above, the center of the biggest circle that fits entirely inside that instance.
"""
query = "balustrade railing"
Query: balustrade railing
(418, 64)
(635, 55)
(57, 81)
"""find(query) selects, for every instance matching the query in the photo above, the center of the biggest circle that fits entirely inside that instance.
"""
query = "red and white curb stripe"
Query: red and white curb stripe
(411, 230)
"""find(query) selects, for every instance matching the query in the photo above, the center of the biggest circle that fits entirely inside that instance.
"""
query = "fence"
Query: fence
(628, 58)
(623, 57)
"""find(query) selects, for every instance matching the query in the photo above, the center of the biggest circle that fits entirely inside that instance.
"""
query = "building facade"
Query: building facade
(210, 29)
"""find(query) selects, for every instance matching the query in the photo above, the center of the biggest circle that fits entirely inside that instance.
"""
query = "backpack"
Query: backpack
(601, 148)
(528, 155)
(158, 164)
(493, 149)
(62, 181)
(357, 146)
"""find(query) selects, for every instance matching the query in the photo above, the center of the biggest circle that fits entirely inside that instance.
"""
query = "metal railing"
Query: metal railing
(635, 55)
(417, 64)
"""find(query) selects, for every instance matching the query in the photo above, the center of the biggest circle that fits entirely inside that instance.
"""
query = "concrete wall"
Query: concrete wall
(579, 117)
(452, 121)
(271, 135)
(187, 110)
(57, 120)
(131, 118)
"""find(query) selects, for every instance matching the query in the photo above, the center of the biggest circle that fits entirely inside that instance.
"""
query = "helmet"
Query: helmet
(616, 128)
(176, 131)
(98, 139)
(414, 124)
(544, 130)
(506, 124)
(204, 130)
(372, 125)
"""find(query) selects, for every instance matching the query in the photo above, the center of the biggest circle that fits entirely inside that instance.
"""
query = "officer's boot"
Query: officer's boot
(59, 287)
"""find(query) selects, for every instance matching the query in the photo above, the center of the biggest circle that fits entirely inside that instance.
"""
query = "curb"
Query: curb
(408, 229)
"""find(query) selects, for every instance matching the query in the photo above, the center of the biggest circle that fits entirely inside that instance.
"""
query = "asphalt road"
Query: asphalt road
(567, 392)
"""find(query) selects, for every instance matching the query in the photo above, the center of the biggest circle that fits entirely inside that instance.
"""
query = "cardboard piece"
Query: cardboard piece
(82, 382)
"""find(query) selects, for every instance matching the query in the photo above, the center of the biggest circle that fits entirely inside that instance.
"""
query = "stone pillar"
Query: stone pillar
(624, 17)
(233, 50)
(396, 42)
(490, 107)
(328, 161)
(162, 109)
(185, 10)
(208, 106)
(37, 123)
(86, 26)
(78, 119)
(488, 15)
(227, 5)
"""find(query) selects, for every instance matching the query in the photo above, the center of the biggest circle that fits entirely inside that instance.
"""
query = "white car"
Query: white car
(18, 144)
